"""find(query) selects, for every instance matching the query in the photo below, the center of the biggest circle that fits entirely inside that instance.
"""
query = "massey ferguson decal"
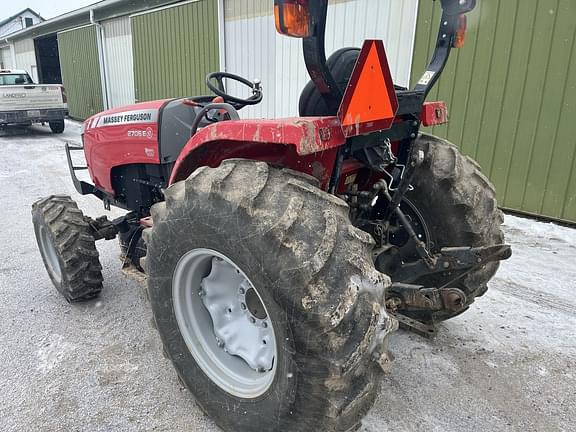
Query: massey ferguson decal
(127, 117)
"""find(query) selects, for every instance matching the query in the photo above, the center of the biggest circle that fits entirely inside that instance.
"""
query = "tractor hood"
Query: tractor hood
(121, 136)
(145, 112)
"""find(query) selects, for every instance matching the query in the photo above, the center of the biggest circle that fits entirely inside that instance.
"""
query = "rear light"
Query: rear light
(460, 32)
(64, 97)
(292, 17)
(434, 113)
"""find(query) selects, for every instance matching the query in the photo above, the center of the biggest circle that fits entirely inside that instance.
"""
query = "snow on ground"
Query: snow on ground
(506, 364)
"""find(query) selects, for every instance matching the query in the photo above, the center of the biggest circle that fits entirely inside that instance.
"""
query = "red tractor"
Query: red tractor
(280, 254)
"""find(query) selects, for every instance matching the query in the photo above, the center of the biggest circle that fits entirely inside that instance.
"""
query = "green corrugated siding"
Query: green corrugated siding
(81, 71)
(174, 49)
(511, 94)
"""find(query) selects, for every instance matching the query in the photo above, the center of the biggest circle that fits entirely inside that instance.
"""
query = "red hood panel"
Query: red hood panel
(121, 136)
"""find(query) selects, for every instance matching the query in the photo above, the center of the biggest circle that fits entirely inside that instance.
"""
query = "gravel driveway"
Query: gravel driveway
(507, 364)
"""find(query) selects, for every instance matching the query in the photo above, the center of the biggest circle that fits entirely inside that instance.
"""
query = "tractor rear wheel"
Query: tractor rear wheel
(67, 247)
(57, 126)
(267, 300)
(453, 204)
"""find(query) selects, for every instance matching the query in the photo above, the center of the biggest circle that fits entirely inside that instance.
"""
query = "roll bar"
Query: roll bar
(315, 55)
(449, 24)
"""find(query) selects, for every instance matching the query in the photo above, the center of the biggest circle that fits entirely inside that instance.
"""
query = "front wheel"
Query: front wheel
(67, 247)
(267, 300)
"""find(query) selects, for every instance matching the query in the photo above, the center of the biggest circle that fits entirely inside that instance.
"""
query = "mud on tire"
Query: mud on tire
(312, 268)
(67, 247)
(458, 204)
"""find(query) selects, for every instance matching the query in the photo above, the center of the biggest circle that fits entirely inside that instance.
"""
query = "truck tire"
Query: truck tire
(57, 126)
(317, 299)
(458, 206)
(67, 247)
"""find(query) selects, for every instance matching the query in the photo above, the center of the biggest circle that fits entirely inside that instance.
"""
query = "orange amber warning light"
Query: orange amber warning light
(370, 101)
(292, 17)
(461, 32)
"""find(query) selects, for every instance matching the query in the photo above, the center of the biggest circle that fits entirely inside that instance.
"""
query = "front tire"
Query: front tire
(313, 273)
(67, 247)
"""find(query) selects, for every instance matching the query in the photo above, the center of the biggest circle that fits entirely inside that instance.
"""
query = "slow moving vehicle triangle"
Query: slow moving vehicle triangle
(370, 102)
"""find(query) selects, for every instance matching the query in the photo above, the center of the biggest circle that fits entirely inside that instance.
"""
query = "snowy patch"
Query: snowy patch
(53, 349)
(530, 229)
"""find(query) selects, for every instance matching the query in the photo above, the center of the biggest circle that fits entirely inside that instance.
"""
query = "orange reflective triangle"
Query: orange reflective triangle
(370, 102)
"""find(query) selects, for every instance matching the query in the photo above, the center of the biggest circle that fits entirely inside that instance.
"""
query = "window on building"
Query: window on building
(28, 22)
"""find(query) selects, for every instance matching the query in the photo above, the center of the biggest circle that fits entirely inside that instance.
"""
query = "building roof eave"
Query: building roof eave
(103, 10)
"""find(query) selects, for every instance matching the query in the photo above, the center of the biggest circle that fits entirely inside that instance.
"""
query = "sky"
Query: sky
(47, 8)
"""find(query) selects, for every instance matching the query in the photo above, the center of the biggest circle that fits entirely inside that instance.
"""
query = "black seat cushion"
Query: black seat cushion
(341, 64)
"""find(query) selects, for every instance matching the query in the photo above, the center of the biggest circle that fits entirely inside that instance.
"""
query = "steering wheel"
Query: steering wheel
(219, 90)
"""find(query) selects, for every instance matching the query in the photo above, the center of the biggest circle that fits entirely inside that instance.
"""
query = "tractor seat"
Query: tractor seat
(341, 64)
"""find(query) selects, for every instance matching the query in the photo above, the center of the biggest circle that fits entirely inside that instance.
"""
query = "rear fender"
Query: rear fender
(308, 145)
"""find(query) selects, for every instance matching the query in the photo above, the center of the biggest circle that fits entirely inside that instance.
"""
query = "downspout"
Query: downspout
(101, 60)
(221, 35)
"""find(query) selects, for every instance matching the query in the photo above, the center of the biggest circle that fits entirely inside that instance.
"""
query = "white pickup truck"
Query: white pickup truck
(22, 102)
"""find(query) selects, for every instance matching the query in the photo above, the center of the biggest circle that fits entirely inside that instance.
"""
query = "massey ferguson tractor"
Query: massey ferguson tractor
(279, 255)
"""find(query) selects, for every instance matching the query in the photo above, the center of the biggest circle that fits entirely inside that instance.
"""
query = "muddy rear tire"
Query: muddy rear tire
(458, 205)
(314, 274)
(67, 247)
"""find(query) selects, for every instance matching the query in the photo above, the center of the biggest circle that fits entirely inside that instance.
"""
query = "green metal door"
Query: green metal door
(81, 71)
(174, 49)
(511, 94)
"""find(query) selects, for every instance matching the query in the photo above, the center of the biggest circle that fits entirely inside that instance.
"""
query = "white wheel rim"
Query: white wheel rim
(50, 254)
(224, 323)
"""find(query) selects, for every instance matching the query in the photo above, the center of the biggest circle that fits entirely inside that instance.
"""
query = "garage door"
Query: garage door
(81, 71)
(26, 57)
(174, 49)
(5, 58)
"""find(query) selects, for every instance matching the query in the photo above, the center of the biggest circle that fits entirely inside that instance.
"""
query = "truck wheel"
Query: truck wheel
(67, 248)
(57, 126)
(453, 204)
(266, 299)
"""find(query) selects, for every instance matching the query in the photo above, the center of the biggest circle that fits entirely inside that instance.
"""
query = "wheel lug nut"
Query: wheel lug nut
(201, 293)
(252, 320)
(243, 306)
(242, 291)
(264, 324)
(220, 343)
